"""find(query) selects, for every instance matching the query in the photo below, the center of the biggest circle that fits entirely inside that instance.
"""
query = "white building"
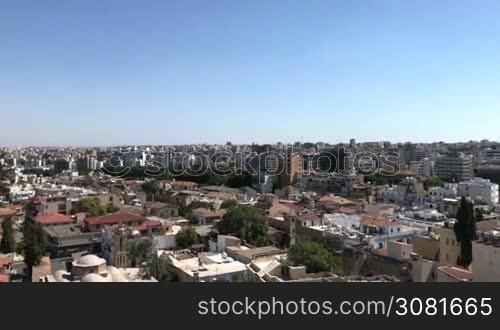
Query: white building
(393, 194)
(424, 167)
(437, 194)
(480, 190)
(209, 267)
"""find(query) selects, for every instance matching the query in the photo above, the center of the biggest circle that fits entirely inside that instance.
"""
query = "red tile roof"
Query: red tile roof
(308, 217)
(184, 184)
(332, 199)
(347, 210)
(4, 278)
(115, 218)
(378, 222)
(4, 261)
(52, 219)
(148, 225)
(292, 205)
(6, 212)
(406, 172)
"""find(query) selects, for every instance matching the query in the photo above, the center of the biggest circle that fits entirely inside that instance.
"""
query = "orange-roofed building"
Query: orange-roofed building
(123, 218)
(53, 219)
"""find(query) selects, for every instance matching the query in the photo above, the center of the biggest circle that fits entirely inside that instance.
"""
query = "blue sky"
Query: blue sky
(107, 72)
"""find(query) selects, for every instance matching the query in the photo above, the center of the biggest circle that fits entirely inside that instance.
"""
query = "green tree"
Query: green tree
(187, 237)
(8, 243)
(111, 209)
(91, 205)
(433, 181)
(33, 245)
(151, 188)
(314, 256)
(465, 231)
(159, 267)
(247, 223)
(332, 244)
(139, 250)
(229, 203)
(239, 180)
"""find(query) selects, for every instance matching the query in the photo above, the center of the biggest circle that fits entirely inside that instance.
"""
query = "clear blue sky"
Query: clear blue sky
(100, 72)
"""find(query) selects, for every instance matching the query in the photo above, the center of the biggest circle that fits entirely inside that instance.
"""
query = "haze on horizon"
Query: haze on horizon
(122, 72)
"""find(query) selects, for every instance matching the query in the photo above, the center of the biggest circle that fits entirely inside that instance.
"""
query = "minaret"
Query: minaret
(119, 250)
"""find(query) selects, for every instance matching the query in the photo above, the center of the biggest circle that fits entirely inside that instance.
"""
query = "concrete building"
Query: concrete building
(486, 257)
(480, 190)
(63, 240)
(209, 267)
(455, 166)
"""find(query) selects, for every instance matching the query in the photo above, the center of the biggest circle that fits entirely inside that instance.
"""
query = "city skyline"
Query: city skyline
(118, 73)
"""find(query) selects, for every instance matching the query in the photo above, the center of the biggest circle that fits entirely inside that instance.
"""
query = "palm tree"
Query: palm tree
(159, 267)
(139, 250)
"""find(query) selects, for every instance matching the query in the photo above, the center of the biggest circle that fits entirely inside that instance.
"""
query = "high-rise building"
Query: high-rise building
(454, 167)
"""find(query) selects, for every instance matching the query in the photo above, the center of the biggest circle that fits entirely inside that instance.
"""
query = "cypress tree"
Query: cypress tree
(8, 243)
(465, 231)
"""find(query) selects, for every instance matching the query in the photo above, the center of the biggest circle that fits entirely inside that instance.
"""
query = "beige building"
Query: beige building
(426, 246)
(449, 247)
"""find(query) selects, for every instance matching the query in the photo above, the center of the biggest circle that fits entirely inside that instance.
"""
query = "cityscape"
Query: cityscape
(302, 212)
(277, 141)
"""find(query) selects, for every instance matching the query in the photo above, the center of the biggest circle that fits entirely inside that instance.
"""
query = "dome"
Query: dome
(94, 278)
(59, 275)
(89, 260)
(116, 274)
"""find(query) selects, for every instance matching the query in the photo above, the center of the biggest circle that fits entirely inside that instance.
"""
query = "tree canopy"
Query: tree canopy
(247, 223)
(139, 250)
(187, 237)
(433, 181)
(314, 256)
(332, 244)
(91, 205)
(229, 203)
(151, 188)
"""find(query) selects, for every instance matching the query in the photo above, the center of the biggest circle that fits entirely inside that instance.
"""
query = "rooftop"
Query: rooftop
(378, 222)
(53, 219)
(457, 273)
(115, 218)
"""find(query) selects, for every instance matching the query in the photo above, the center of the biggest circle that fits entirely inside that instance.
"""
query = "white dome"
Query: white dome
(90, 260)
(59, 275)
(116, 274)
(94, 278)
